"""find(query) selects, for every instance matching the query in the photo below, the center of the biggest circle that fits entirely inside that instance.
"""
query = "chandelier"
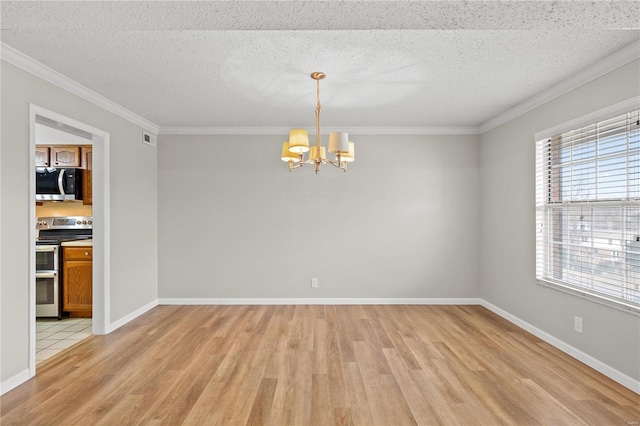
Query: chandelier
(298, 144)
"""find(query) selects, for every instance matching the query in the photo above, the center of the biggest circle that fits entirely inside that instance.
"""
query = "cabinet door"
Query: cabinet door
(87, 160)
(42, 156)
(65, 156)
(77, 280)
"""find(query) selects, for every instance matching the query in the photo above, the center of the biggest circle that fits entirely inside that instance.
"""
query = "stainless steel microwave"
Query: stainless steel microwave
(54, 184)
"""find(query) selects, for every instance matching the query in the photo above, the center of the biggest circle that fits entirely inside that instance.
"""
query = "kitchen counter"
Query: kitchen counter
(78, 243)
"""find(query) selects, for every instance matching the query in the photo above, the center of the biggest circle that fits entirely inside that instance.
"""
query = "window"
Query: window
(588, 209)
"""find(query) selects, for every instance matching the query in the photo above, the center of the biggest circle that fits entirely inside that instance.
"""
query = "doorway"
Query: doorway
(101, 220)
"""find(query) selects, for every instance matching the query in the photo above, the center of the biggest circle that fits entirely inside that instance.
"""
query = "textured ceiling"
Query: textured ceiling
(389, 64)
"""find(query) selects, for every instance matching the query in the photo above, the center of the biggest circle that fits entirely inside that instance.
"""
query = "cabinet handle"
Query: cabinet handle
(86, 253)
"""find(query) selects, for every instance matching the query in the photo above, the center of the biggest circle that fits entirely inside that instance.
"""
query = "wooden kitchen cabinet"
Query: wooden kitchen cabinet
(42, 156)
(77, 281)
(65, 156)
(58, 156)
(87, 185)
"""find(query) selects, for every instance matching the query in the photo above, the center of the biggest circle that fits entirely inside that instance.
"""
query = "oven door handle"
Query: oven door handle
(61, 182)
(45, 248)
(51, 274)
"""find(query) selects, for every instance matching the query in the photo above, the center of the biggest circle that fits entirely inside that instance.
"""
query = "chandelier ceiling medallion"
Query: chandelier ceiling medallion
(298, 144)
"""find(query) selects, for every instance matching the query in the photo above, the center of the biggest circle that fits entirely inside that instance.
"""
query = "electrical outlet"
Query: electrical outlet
(577, 324)
(314, 282)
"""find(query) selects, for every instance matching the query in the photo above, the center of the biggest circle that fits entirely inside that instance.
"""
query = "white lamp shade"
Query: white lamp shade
(288, 155)
(350, 155)
(338, 141)
(298, 141)
(314, 154)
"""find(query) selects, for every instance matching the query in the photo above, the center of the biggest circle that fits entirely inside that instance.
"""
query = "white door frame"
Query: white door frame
(101, 221)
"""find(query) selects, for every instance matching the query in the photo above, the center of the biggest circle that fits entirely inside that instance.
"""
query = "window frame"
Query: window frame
(542, 189)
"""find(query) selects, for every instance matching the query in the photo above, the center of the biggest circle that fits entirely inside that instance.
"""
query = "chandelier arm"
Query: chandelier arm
(339, 164)
(292, 166)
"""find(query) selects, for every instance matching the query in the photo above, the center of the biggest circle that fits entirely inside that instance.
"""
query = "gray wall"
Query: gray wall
(133, 208)
(402, 222)
(508, 223)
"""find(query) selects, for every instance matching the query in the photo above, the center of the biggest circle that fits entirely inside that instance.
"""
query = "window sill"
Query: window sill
(629, 309)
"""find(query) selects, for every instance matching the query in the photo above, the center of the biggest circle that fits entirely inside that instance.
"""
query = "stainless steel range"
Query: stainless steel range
(52, 231)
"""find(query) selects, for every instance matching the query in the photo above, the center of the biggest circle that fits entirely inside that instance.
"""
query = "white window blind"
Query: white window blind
(588, 210)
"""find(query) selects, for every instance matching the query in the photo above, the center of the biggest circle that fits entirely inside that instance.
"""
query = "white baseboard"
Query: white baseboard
(612, 373)
(133, 315)
(318, 301)
(14, 381)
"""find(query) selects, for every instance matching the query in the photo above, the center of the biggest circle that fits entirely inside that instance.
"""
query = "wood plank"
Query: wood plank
(321, 410)
(422, 410)
(386, 402)
(262, 402)
(335, 359)
(360, 411)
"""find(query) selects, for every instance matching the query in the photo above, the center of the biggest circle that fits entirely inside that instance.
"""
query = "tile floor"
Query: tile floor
(53, 336)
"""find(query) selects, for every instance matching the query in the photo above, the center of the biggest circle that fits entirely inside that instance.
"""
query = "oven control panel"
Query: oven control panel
(66, 222)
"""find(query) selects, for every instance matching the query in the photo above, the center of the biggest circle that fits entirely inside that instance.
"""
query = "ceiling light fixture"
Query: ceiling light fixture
(293, 150)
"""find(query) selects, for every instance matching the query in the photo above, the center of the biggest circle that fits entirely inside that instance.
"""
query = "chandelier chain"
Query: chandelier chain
(318, 109)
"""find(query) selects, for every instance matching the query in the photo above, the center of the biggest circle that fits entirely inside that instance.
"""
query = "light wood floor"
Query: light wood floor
(316, 365)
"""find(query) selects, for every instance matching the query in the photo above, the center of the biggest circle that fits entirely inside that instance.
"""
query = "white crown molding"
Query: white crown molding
(600, 68)
(215, 130)
(20, 60)
(219, 130)
(427, 130)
